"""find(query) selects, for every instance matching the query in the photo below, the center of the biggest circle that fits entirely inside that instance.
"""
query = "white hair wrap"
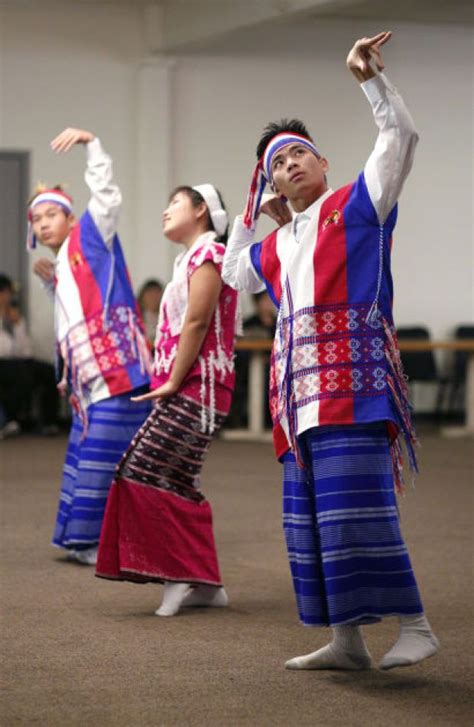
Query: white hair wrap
(219, 216)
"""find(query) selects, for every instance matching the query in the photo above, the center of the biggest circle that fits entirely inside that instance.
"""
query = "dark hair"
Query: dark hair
(196, 200)
(148, 285)
(5, 283)
(294, 126)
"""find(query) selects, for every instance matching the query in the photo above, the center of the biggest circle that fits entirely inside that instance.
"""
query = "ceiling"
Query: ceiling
(173, 25)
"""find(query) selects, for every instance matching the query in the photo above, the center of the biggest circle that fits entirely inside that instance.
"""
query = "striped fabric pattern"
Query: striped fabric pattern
(90, 466)
(348, 560)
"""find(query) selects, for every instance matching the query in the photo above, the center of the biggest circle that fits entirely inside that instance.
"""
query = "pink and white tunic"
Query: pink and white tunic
(210, 380)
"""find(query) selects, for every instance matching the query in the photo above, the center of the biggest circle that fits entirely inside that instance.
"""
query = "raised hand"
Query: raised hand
(276, 208)
(68, 138)
(44, 269)
(363, 52)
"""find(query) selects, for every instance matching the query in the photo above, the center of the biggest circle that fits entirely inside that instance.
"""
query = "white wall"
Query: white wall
(71, 68)
(433, 245)
(80, 68)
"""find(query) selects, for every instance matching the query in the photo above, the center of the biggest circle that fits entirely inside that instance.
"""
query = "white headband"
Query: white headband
(219, 216)
(263, 172)
(279, 142)
(52, 196)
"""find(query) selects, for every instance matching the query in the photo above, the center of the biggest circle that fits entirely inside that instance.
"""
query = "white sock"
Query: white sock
(87, 556)
(415, 643)
(347, 650)
(173, 595)
(206, 596)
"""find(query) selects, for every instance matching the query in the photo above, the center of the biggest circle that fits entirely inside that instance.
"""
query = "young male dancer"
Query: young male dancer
(337, 391)
(100, 340)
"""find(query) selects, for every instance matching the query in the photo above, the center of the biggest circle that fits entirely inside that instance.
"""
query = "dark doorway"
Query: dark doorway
(14, 182)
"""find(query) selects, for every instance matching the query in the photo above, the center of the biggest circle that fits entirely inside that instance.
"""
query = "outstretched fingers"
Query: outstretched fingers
(367, 49)
(151, 395)
(64, 141)
(375, 49)
(68, 138)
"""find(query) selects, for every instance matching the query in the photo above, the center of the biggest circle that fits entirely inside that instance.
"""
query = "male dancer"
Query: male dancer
(337, 392)
(100, 340)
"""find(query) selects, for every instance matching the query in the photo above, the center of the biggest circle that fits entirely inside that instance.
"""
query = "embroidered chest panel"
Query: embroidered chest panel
(327, 352)
(97, 348)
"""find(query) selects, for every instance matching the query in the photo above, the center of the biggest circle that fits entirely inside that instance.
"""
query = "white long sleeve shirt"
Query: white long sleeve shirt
(104, 207)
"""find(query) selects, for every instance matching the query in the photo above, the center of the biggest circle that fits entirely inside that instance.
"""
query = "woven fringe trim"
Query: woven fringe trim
(397, 384)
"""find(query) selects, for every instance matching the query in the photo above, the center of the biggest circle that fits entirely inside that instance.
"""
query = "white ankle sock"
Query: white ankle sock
(415, 643)
(347, 650)
(87, 556)
(206, 596)
(173, 596)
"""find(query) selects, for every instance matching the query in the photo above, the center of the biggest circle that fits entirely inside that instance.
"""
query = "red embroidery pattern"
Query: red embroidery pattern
(98, 348)
(334, 353)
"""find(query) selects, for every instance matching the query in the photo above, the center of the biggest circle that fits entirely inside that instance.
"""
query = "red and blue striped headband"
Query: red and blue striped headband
(263, 171)
(56, 196)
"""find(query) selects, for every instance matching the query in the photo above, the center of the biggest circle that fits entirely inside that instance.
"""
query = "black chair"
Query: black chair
(457, 379)
(421, 365)
(418, 365)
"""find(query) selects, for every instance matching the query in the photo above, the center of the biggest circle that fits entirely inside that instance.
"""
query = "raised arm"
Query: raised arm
(392, 157)
(106, 199)
(238, 270)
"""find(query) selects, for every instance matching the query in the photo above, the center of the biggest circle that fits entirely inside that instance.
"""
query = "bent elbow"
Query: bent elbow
(198, 326)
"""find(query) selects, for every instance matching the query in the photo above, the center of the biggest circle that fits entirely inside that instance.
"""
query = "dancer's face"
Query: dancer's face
(298, 174)
(51, 224)
(181, 219)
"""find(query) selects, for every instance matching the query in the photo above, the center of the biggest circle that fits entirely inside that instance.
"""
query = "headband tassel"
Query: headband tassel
(254, 198)
(30, 238)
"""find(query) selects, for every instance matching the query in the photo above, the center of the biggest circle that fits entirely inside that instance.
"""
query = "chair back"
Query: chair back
(460, 358)
(418, 365)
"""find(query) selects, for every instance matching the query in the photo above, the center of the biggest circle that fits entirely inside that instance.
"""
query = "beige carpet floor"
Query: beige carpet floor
(79, 651)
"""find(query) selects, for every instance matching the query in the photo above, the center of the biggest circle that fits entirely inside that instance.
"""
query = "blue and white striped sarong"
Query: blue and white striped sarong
(348, 560)
(90, 466)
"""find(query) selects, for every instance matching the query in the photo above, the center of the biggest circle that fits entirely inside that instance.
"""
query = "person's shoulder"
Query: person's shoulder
(209, 251)
(218, 247)
(283, 230)
(342, 195)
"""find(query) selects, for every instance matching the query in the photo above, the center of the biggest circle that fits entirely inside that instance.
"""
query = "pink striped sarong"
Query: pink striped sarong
(157, 524)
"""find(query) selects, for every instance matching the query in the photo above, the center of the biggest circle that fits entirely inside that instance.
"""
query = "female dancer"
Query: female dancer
(158, 524)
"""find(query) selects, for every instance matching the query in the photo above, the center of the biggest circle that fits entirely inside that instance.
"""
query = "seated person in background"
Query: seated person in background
(149, 299)
(22, 377)
(260, 325)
